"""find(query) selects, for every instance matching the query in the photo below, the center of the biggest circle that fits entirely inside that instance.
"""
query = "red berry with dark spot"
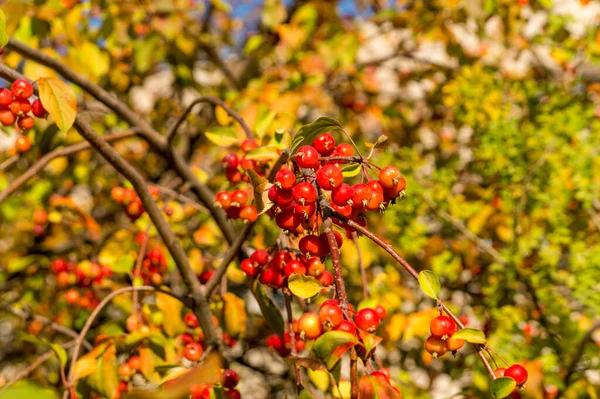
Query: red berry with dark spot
(307, 157)
(311, 245)
(285, 179)
(230, 161)
(22, 89)
(324, 144)
(38, 109)
(330, 177)
(389, 176)
(193, 351)
(25, 122)
(230, 379)
(367, 319)
(249, 268)
(260, 256)
(437, 347)
(361, 196)
(330, 315)
(304, 193)
(305, 211)
(326, 279)
(442, 327)
(517, 373)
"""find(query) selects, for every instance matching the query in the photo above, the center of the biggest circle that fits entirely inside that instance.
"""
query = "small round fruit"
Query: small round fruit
(25, 122)
(193, 351)
(125, 371)
(135, 363)
(381, 312)
(314, 267)
(342, 195)
(38, 109)
(499, 372)
(294, 267)
(72, 297)
(22, 144)
(331, 316)
(249, 268)
(330, 177)
(343, 150)
(346, 326)
(191, 320)
(199, 391)
(239, 198)
(223, 199)
(361, 196)
(517, 373)
(304, 193)
(326, 279)
(22, 88)
(367, 319)
(307, 157)
(311, 245)
(324, 144)
(233, 175)
(230, 161)
(229, 379)
(285, 179)
(287, 220)
(7, 117)
(40, 216)
(389, 176)
(20, 106)
(260, 257)
(248, 145)
(442, 327)
(5, 98)
(454, 344)
(249, 214)
(310, 326)
(437, 347)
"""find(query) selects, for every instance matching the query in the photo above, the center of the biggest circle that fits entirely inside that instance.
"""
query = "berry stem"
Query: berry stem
(288, 308)
(337, 267)
(353, 159)
(138, 267)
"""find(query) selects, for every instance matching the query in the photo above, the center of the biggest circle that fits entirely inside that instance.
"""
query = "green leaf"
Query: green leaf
(26, 389)
(3, 32)
(124, 264)
(308, 133)
(331, 346)
(369, 341)
(429, 283)
(274, 13)
(304, 286)
(305, 395)
(262, 154)
(351, 169)
(59, 100)
(471, 335)
(223, 136)
(253, 43)
(263, 124)
(61, 353)
(380, 140)
(20, 263)
(502, 387)
(268, 308)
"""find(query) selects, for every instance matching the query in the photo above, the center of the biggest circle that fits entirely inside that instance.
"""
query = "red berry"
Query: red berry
(395, 192)
(342, 194)
(25, 122)
(20, 106)
(191, 320)
(275, 341)
(436, 346)
(310, 326)
(247, 164)
(345, 210)
(285, 179)
(331, 315)
(307, 157)
(248, 145)
(375, 185)
(5, 98)
(232, 394)
(249, 268)
(72, 297)
(22, 88)
(239, 198)
(233, 212)
(249, 213)
(7, 118)
(198, 391)
(22, 144)
(454, 344)
(58, 265)
(381, 377)
(223, 199)
(186, 338)
(294, 267)
(326, 279)
(125, 371)
(304, 193)
(314, 267)
(381, 312)
(230, 379)
(280, 197)
(260, 256)
(517, 373)
(304, 211)
(193, 351)
(389, 176)
(343, 150)
(324, 144)
(233, 175)
(367, 319)
(375, 201)
(361, 196)
(38, 109)
(346, 326)
(230, 161)
(329, 177)
(442, 327)
(287, 220)
(325, 240)
(311, 245)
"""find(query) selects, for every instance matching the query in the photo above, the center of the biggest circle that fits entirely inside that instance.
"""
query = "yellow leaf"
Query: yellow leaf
(222, 116)
(235, 315)
(477, 222)
(59, 100)
(173, 323)
(85, 367)
(504, 232)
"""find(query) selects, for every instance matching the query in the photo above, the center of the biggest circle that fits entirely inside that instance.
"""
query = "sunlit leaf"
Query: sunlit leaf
(380, 140)
(27, 389)
(262, 154)
(223, 136)
(307, 133)
(3, 32)
(471, 335)
(264, 123)
(304, 286)
(59, 100)
(173, 323)
(351, 169)
(332, 345)
(124, 264)
(270, 312)
(502, 387)
(429, 283)
(234, 313)
(61, 353)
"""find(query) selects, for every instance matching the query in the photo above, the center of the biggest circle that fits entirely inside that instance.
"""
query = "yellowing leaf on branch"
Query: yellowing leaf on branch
(59, 100)
(173, 323)
(235, 315)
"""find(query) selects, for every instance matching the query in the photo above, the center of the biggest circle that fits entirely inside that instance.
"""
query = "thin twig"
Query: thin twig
(8, 162)
(361, 265)
(290, 319)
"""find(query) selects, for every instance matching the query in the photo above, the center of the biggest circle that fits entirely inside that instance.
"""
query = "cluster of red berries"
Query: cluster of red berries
(130, 200)
(516, 372)
(236, 164)
(383, 379)
(15, 105)
(235, 204)
(273, 271)
(153, 267)
(83, 275)
(440, 341)
(229, 380)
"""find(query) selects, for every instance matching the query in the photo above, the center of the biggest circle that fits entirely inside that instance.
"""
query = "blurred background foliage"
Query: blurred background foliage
(491, 108)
